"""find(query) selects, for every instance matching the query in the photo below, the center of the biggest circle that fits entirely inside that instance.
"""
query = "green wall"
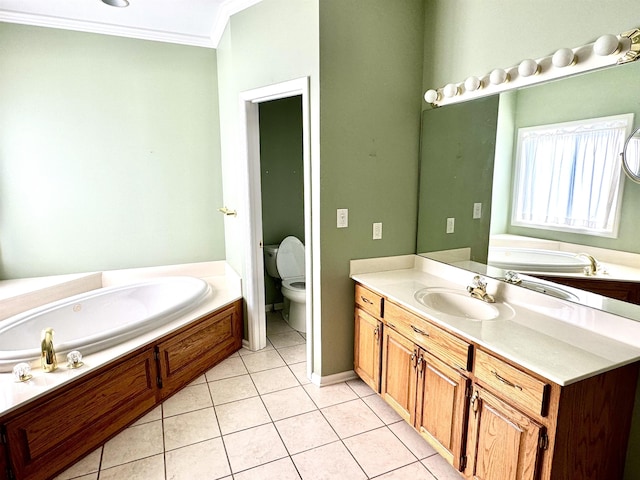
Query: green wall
(370, 78)
(281, 178)
(109, 153)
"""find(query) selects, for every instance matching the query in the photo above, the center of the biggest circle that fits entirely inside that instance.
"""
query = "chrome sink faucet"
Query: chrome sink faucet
(478, 289)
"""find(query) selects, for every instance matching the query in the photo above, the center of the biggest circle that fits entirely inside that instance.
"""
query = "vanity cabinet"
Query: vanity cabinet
(368, 336)
(52, 432)
(423, 379)
(492, 418)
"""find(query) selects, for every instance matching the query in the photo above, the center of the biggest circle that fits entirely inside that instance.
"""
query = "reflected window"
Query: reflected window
(568, 176)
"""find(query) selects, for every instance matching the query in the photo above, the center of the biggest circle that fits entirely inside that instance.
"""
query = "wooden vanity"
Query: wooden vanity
(488, 416)
(50, 433)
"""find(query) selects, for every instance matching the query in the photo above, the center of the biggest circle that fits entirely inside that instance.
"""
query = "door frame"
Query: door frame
(254, 259)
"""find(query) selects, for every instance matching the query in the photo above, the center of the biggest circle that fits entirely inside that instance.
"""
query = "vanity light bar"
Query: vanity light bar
(607, 50)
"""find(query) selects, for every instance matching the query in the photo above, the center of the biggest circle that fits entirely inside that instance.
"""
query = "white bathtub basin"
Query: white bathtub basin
(536, 260)
(99, 319)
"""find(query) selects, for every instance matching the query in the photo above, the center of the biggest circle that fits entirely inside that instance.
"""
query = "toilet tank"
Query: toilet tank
(270, 252)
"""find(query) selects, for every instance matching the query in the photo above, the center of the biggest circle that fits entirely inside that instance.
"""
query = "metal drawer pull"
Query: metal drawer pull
(389, 324)
(421, 332)
(366, 300)
(505, 381)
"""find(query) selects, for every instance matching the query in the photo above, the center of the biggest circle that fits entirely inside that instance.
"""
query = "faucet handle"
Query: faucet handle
(480, 282)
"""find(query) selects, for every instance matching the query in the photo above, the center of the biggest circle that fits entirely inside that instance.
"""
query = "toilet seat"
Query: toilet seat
(290, 258)
(295, 283)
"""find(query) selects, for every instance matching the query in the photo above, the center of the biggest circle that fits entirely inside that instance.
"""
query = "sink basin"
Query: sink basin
(458, 304)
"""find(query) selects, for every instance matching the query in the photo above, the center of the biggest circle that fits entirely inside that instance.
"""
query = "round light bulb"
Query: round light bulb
(472, 84)
(528, 67)
(450, 90)
(606, 45)
(498, 76)
(563, 58)
(431, 96)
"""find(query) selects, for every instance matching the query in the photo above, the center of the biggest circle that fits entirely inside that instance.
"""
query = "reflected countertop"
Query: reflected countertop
(560, 340)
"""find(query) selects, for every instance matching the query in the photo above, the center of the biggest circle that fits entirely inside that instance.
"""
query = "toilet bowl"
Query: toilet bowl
(286, 262)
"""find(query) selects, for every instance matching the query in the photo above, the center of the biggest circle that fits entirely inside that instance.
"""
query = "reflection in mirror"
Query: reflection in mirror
(467, 157)
(631, 156)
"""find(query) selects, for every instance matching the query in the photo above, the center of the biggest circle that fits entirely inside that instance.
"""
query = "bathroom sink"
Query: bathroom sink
(457, 304)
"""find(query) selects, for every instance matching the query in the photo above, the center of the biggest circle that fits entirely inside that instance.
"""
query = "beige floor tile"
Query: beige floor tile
(286, 339)
(202, 461)
(287, 403)
(382, 409)
(88, 465)
(274, 379)
(186, 400)
(440, 468)
(230, 367)
(152, 416)
(276, 324)
(329, 462)
(232, 389)
(134, 443)
(263, 360)
(242, 414)
(361, 388)
(300, 371)
(415, 471)
(330, 395)
(243, 352)
(91, 476)
(200, 379)
(150, 468)
(295, 354)
(379, 451)
(189, 428)
(282, 469)
(412, 440)
(253, 447)
(351, 418)
(304, 432)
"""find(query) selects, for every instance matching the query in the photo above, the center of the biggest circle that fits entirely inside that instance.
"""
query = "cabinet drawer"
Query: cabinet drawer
(522, 389)
(449, 348)
(368, 301)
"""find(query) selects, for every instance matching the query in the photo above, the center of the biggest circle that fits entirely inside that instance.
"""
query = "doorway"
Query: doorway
(254, 287)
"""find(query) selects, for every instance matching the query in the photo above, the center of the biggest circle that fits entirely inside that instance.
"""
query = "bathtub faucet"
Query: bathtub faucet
(478, 289)
(593, 267)
(48, 352)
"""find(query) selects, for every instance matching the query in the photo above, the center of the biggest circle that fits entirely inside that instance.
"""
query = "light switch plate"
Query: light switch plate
(451, 224)
(377, 231)
(342, 218)
(477, 210)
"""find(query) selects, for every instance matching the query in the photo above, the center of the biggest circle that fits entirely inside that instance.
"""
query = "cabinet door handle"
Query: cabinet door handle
(414, 356)
(421, 332)
(366, 300)
(376, 333)
(421, 362)
(474, 402)
(505, 381)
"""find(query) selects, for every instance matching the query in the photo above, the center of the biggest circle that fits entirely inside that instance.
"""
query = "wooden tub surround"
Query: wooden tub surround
(545, 392)
(47, 435)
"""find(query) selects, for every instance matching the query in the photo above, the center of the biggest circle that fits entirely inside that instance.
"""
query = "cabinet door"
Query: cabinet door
(198, 347)
(441, 416)
(4, 475)
(503, 443)
(366, 358)
(399, 361)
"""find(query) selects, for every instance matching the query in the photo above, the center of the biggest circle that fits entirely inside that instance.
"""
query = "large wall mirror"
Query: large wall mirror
(467, 169)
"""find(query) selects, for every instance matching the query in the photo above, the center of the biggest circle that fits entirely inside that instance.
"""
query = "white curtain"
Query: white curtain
(569, 177)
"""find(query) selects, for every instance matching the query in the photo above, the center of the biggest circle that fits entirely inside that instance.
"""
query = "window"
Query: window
(568, 176)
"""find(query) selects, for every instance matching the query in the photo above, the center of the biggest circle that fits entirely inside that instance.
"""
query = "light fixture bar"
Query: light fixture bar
(606, 51)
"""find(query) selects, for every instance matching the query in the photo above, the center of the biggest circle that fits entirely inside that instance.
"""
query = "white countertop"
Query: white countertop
(562, 341)
(225, 287)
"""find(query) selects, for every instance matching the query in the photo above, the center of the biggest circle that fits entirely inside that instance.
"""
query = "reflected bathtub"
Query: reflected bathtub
(98, 319)
(536, 260)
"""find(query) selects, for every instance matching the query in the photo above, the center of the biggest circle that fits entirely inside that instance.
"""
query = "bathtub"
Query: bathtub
(98, 319)
(536, 260)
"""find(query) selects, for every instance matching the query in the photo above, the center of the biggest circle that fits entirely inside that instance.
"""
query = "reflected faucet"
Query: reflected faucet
(48, 352)
(478, 289)
(593, 267)
(512, 277)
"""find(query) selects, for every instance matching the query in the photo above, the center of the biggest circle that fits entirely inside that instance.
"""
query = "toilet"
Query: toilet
(286, 262)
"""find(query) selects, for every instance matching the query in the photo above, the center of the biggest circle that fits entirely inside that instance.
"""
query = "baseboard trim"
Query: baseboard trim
(323, 381)
(270, 307)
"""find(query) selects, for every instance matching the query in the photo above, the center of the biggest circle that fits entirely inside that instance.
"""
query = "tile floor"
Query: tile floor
(256, 416)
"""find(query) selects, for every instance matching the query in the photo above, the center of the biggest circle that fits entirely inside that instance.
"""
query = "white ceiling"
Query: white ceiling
(189, 22)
